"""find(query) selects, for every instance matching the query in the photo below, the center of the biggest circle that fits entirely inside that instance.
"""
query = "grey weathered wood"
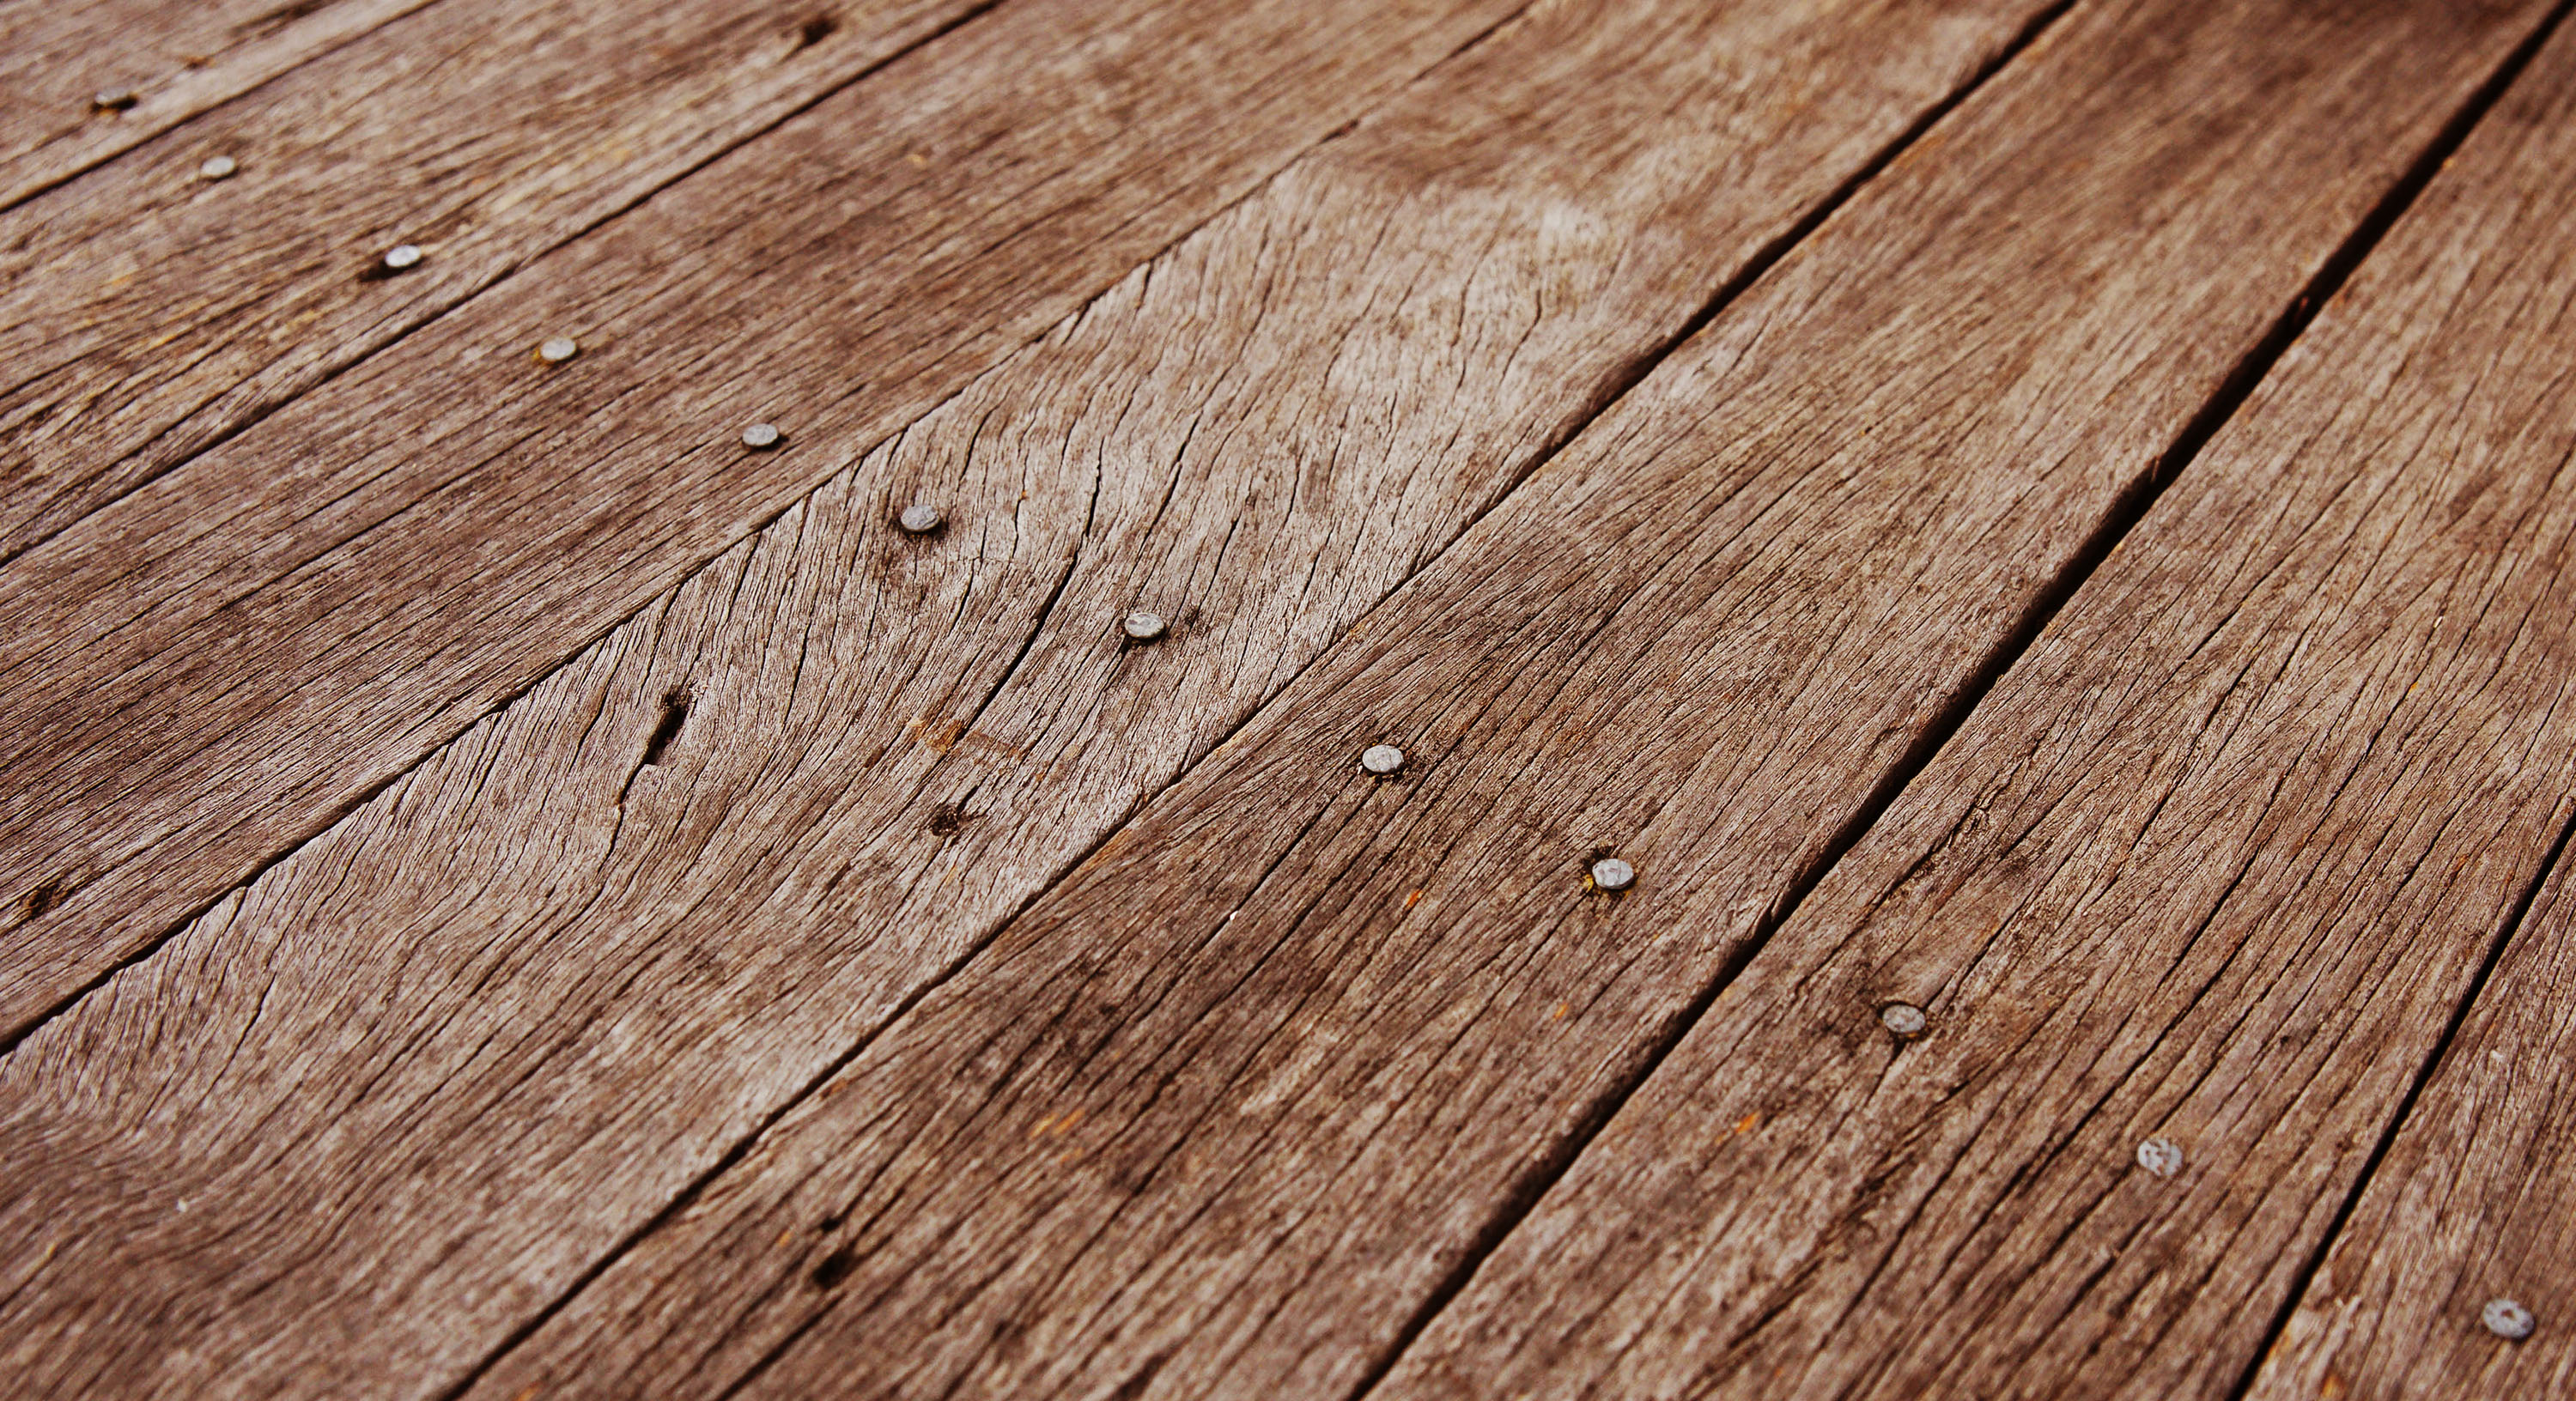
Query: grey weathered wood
(217, 665)
(145, 312)
(442, 1059)
(177, 59)
(2476, 1201)
(1218, 1114)
(2213, 864)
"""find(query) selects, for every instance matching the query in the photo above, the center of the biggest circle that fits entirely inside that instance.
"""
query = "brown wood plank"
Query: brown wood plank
(175, 60)
(2210, 869)
(146, 312)
(216, 666)
(2475, 1202)
(1222, 1112)
(888, 744)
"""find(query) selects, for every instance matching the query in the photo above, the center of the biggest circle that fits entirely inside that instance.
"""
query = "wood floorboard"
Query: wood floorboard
(225, 660)
(173, 61)
(2471, 1209)
(1230, 1106)
(737, 835)
(510, 891)
(2185, 906)
(150, 312)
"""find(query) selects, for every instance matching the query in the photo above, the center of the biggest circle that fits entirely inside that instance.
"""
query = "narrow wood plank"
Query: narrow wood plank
(175, 60)
(2208, 871)
(1221, 1113)
(2475, 1203)
(221, 663)
(635, 942)
(146, 312)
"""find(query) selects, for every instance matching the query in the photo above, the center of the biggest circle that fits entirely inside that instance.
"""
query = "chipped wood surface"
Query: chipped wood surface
(516, 894)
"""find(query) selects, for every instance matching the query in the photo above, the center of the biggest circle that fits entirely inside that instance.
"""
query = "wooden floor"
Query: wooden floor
(686, 687)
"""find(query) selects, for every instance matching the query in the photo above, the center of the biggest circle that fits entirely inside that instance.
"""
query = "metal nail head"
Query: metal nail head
(1612, 874)
(402, 257)
(2506, 1319)
(2161, 1156)
(218, 168)
(1141, 626)
(920, 519)
(1382, 759)
(555, 350)
(761, 437)
(112, 99)
(1903, 1018)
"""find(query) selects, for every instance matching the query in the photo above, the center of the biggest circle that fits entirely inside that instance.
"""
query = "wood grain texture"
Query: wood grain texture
(146, 313)
(2213, 864)
(177, 59)
(2472, 1203)
(480, 1032)
(1220, 1113)
(225, 660)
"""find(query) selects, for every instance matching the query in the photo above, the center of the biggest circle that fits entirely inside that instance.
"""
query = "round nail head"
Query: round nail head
(761, 437)
(1141, 626)
(2506, 1319)
(2161, 1156)
(1611, 873)
(112, 99)
(402, 257)
(218, 168)
(920, 519)
(1382, 759)
(557, 349)
(1902, 1018)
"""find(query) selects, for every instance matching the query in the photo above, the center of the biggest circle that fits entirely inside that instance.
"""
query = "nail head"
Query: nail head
(1141, 626)
(920, 519)
(402, 257)
(1382, 759)
(218, 168)
(112, 99)
(557, 349)
(2506, 1319)
(761, 437)
(1611, 873)
(2161, 1156)
(1903, 1018)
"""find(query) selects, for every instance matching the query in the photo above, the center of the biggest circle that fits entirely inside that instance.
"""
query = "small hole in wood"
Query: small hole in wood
(835, 1268)
(675, 713)
(947, 818)
(43, 898)
(815, 31)
(829, 1224)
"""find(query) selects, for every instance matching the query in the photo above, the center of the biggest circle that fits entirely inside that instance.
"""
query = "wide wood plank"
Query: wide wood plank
(146, 311)
(1223, 1112)
(2185, 905)
(423, 1073)
(2474, 1205)
(225, 660)
(173, 61)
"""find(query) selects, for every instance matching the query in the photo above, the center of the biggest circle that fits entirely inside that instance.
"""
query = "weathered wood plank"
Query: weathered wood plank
(146, 312)
(1219, 1114)
(888, 744)
(217, 665)
(2475, 1203)
(175, 60)
(2210, 869)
